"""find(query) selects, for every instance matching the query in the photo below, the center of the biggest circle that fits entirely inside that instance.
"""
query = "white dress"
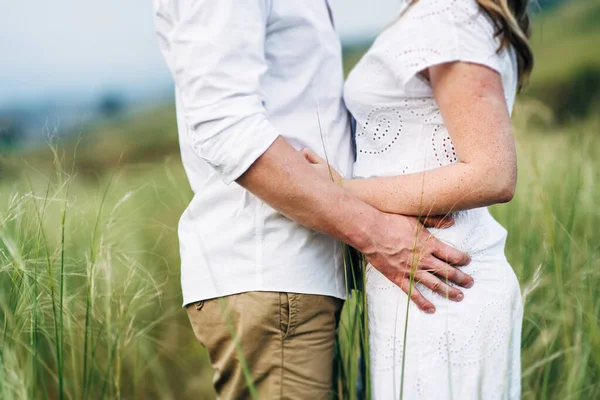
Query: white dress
(468, 350)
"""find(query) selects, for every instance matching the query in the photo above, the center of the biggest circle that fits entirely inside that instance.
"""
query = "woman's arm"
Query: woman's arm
(471, 100)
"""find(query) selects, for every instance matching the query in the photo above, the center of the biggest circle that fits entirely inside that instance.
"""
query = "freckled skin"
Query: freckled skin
(472, 103)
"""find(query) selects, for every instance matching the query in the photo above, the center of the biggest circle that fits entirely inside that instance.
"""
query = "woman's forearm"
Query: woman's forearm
(439, 191)
(472, 104)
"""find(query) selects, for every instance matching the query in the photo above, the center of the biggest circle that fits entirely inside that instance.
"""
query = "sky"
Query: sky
(64, 50)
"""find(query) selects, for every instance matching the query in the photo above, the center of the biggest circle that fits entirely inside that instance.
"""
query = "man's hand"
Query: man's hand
(406, 253)
(392, 243)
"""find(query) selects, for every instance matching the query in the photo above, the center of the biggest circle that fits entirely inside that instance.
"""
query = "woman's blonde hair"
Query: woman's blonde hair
(511, 19)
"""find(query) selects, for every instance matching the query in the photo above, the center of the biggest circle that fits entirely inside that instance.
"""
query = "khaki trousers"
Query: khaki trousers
(285, 340)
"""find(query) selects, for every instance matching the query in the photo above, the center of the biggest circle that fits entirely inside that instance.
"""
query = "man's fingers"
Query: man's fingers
(416, 296)
(442, 222)
(450, 254)
(440, 287)
(311, 156)
(453, 274)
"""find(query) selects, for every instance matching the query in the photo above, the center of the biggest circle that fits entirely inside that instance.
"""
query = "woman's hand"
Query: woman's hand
(321, 166)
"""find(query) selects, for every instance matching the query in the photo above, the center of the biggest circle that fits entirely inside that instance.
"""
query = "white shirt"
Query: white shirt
(247, 71)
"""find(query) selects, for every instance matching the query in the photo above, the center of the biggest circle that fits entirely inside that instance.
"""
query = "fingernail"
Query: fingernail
(430, 310)
(460, 297)
(470, 285)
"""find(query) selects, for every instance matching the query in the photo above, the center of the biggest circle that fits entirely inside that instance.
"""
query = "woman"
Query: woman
(432, 100)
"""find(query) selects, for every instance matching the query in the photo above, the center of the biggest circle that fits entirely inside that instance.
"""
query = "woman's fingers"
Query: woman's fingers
(442, 222)
(305, 153)
(311, 156)
(438, 286)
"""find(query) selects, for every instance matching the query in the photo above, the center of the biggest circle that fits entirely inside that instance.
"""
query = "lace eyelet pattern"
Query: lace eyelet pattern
(380, 132)
(442, 146)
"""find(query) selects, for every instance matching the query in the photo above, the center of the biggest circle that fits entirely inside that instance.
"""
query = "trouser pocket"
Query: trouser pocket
(284, 314)
(286, 340)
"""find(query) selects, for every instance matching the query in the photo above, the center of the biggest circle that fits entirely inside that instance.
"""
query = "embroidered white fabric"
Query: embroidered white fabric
(468, 350)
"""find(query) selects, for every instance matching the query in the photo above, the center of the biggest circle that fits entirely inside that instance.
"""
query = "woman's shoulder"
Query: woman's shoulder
(431, 32)
(429, 20)
(424, 10)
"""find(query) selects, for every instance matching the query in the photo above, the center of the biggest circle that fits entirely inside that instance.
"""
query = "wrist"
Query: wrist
(366, 230)
(348, 184)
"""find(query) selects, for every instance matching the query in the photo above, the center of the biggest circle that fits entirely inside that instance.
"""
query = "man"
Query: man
(261, 286)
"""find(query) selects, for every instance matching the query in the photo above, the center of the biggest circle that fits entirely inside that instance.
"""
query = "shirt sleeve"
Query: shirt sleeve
(215, 51)
(443, 31)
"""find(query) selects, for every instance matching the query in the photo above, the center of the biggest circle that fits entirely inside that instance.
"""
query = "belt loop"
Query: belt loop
(199, 305)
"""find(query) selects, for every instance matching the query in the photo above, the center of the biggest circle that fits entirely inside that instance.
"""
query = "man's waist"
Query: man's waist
(208, 272)
(251, 230)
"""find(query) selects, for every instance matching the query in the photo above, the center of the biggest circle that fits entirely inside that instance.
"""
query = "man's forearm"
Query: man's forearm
(282, 178)
(286, 181)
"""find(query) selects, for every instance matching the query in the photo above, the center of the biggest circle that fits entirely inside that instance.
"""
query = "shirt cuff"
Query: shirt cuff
(234, 156)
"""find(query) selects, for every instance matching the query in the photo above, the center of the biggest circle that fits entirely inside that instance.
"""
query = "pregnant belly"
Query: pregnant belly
(477, 233)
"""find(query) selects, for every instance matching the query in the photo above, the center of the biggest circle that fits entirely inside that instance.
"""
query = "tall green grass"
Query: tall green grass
(554, 246)
(89, 276)
(89, 299)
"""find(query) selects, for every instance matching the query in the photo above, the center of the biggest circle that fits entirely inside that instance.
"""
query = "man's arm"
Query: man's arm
(215, 50)
(394, 244)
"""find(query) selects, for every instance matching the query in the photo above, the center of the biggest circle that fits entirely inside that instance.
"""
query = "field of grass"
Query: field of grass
(567, 72)
(89, 266)
(89, 286)
(89, 291)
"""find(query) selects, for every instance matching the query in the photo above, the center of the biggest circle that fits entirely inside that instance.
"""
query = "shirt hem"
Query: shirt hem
(191, 299)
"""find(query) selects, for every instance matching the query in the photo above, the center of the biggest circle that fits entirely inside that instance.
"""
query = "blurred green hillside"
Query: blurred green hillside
(566, 42)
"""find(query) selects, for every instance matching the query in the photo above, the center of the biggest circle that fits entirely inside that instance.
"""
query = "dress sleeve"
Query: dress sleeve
(434, 32)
